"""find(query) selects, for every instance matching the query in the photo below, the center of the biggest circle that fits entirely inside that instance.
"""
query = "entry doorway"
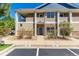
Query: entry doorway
(40, 29)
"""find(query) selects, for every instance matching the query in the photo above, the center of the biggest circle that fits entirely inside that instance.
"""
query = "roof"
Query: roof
(62, 7)
(55, 6)
(58, 5)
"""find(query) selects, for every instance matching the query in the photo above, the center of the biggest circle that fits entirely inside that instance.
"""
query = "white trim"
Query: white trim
(50, 22)
(72, 52)
(70, 20)
(35, 23)
(25, 22)
(75, 22)
(58, 29)
(40, 6)
(16, 21)
(45, 22)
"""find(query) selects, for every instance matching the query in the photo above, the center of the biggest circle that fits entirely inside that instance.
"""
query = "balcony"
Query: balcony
(40, 20)
(75, 19)
(29, 19)
(46, 20)
(63, 19)
(26, 20)
(50, 20)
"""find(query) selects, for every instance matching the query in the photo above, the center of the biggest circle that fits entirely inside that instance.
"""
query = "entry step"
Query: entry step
(40, 37)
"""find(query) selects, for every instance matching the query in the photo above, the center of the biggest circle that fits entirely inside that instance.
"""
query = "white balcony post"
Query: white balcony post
(45, 15)
(58, 29)
(70, 20)
(16, 23)
(35, 24)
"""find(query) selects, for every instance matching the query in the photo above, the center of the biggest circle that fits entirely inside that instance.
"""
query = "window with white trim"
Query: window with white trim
(51, 14)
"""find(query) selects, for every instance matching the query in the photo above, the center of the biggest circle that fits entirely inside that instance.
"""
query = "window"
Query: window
(49, 29)
(20, 25)
(40, 15)
(21, 18)
(62, 14)
(50, 14)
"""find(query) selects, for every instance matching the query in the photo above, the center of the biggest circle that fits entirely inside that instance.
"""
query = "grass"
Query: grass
(4, 46)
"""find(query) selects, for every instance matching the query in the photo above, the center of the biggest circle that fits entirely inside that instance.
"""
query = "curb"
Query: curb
(5, 50)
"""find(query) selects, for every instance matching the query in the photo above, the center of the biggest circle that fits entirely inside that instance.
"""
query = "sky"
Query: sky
(15, 6)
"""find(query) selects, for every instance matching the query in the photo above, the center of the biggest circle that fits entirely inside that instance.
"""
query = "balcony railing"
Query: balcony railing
(40, 19)
(29, 19)
(75, 19)
(63, 19)
(50, 20)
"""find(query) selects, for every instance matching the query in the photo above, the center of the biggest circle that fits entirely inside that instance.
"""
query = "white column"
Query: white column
(16, 23)
(70, 20)
(35, 24)
(45, 15)
(58, 29)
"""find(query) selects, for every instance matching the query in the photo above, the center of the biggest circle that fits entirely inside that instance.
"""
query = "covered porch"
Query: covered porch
(39, 20)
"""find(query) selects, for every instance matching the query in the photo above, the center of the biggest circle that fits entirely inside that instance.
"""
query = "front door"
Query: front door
(40, 30)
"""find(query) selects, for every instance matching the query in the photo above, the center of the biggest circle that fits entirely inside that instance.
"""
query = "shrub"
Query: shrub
(29, 33)
(1, 41)
(66, 28)
(21, 32)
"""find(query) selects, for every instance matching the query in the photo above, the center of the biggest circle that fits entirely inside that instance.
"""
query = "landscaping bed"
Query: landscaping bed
(4, 46)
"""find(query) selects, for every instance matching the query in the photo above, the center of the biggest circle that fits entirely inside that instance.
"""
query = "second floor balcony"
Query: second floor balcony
(63, 19)
(29, 19)
(44, 17)
(40, 20)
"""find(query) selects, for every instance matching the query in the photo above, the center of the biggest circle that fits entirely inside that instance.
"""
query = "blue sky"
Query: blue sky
(15, 6)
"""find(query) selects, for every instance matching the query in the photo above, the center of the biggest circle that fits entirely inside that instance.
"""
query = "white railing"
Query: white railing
(61, 19)
(40, 20)
(50, 20)
(29, 19)
(75, 19)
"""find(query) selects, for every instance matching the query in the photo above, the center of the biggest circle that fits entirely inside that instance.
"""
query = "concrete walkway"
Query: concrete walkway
(54, 43)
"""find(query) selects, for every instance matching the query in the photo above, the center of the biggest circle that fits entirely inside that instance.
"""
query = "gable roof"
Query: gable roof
(67, 5)
(75, 5)
(58, 5)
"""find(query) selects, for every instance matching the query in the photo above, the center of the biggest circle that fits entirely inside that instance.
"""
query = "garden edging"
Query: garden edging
(5, 50)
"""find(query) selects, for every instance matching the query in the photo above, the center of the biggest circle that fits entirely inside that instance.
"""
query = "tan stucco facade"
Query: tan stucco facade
(26, 26)
(31, 23)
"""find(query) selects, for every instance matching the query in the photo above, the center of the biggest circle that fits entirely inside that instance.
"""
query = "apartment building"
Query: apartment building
(47, 17)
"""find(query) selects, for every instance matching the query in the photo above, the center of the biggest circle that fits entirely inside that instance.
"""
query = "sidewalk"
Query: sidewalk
(55, 43)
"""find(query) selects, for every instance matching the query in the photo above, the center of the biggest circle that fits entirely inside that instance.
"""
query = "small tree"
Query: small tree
(7, 23)
(52, 33)
(1, 28)
(29, 33)
(66, 28)
(21, 32)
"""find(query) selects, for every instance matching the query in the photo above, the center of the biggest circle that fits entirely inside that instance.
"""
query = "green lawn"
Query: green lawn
(2, 47)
